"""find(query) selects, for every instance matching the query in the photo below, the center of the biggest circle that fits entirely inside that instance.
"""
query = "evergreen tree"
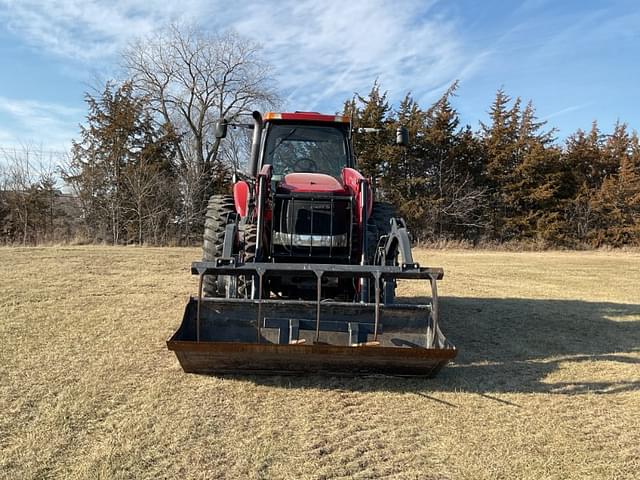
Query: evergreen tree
(523, 173)
(455, 200)
(370, 148)
(617, 201)
(406, 180)
(500, 139)
(510, 181)
(536, 190)
(583, 157)
(119, 138)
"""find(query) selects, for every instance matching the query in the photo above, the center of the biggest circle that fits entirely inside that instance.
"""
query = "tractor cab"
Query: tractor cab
(308, 160)
(306, 143)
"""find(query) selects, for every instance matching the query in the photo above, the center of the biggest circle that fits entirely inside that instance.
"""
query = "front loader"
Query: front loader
(300, 266)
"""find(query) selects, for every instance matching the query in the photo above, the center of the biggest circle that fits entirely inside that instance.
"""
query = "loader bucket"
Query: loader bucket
(275, 336)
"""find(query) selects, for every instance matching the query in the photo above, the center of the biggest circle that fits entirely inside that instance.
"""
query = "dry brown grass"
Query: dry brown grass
(546, 385)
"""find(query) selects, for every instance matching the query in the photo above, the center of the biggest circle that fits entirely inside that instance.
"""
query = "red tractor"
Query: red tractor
(303, 234)
(303, 202)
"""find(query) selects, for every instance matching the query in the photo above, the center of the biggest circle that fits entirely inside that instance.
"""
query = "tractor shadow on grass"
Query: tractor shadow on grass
(512, 345)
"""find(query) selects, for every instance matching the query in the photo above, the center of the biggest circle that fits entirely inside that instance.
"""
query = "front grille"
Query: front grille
(302, 224)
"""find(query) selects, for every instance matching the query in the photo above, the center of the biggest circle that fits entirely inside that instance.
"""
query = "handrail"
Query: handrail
(229, 266)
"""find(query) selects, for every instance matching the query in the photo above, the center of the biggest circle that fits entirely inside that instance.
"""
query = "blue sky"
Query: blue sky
(577, 60)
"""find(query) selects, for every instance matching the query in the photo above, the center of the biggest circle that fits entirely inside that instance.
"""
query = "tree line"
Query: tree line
(509, 181)
(146, 160)
(32, 208)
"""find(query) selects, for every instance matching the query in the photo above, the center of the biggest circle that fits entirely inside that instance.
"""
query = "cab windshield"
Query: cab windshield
(306, 148)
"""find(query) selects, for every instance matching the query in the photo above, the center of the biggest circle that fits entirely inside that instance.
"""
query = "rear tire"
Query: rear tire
(221, 211)
(381, 216)
(373, 237)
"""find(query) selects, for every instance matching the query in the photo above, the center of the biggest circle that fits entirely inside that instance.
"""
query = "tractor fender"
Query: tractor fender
(352, 179)
(241, 197)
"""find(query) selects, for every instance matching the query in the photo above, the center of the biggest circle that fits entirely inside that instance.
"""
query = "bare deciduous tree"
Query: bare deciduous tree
(192, 78)
(28, 194)
(148, 202)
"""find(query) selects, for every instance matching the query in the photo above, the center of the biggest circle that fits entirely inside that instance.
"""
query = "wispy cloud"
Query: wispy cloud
(564, 111)
(6, 137)
(88, 30)
(322, 52)
(52, 124)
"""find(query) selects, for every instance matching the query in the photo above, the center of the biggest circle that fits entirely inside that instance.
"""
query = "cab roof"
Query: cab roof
(306, 117)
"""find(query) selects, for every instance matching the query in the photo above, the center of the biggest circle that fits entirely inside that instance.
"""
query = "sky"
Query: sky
(577, 60)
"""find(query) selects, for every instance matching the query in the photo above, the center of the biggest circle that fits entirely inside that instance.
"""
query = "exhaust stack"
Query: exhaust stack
(255, 143)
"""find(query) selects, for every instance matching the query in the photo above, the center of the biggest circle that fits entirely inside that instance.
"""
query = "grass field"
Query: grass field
(546, 383)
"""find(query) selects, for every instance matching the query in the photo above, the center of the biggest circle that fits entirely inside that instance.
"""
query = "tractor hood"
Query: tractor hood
(312, 183)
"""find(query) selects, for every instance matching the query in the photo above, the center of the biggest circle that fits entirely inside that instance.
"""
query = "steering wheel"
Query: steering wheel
(305, 164)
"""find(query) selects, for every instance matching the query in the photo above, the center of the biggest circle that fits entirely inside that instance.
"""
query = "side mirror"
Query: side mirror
(220, 128)
(402, 136)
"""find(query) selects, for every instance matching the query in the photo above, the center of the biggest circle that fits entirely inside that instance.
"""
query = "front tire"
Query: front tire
(220, 212)
(248, 234)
